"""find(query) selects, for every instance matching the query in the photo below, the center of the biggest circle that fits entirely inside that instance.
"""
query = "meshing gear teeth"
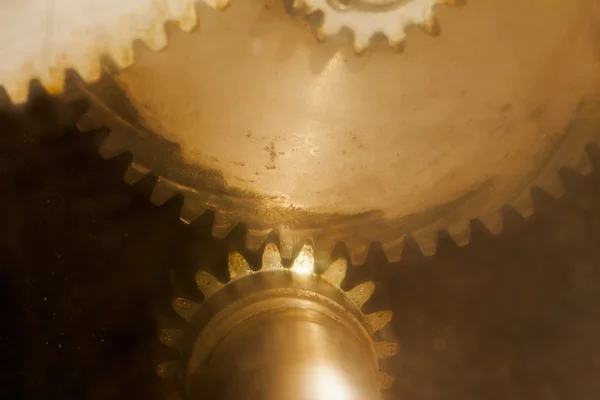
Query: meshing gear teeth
(280, 296)
(42, 39)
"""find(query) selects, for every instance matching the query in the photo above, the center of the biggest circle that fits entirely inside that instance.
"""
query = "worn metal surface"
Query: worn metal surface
(278, 331)
(41, 39)
(253, 117)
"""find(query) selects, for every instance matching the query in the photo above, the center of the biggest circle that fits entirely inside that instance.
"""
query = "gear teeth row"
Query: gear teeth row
(82, 50)
(365, 24)
(427, 241)
(416, 246)
(271, 260)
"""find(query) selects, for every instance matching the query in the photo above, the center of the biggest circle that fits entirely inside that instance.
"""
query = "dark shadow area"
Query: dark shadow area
(85, 263)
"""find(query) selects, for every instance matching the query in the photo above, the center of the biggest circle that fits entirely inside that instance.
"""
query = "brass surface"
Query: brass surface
(279, 332)
(252, 116)
(292, 352)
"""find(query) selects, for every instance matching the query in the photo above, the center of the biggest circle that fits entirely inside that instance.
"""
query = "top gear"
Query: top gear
(367, 18)
(251, 116)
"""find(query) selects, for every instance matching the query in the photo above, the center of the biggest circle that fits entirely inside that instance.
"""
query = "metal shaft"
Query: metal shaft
(292, 349)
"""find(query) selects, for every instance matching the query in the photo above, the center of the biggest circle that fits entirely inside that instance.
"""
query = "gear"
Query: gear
(44, 38)
(279, 309)
(367, 18)
(311, 141)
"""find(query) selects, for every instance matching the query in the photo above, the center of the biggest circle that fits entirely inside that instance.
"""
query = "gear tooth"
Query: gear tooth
(320, 33)
(237, 236)
(493, 222)
(238, 266)
(17, 92)
(542, 201)
(186, 308)
(155, 37)
(376, 260)
(571, 179)
(358, 254)
(222, 226)
(188, 19)
(4, 97)
(431, 25)
(553, 185)
(174, 205)
(445, 244)
(411, 253)
(76, 109)
(207, 283)
(361, 293)
(255, 238)
(304, 262)
(170, 337)
(119, 164)
(54, 81)
(36, 90)
(427, 242)
(399, 45)
(145, 186)
(99, 136)
(204, 223)
(328, 28)
(593, 152)
(478, 231)
(393, 249)
(378, 320)
(168, 369)
(287, 242)
(121, 53)
(459, 234)
(340, 250)
(376, 255)
(88, 68)
(271, 258)
(525, 206)
(360, 44)
(384, 380)
(386, 349)
(511, 219)
(336, 271)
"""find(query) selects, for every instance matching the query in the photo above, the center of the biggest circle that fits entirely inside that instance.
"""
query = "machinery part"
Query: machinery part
(279, 333)
(367, 18)
(473, 321)
(52, 36)
(41, 39)
(312, 141)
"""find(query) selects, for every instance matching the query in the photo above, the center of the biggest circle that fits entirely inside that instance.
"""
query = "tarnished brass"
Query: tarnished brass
(252, 116)
(280, 333)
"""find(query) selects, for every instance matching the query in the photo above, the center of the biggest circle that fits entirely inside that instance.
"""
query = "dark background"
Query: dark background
(85, 261)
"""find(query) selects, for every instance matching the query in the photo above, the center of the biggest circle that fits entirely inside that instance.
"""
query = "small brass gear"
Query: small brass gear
(284, 321)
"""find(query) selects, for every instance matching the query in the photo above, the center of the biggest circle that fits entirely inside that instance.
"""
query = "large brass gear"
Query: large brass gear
(358, 149)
